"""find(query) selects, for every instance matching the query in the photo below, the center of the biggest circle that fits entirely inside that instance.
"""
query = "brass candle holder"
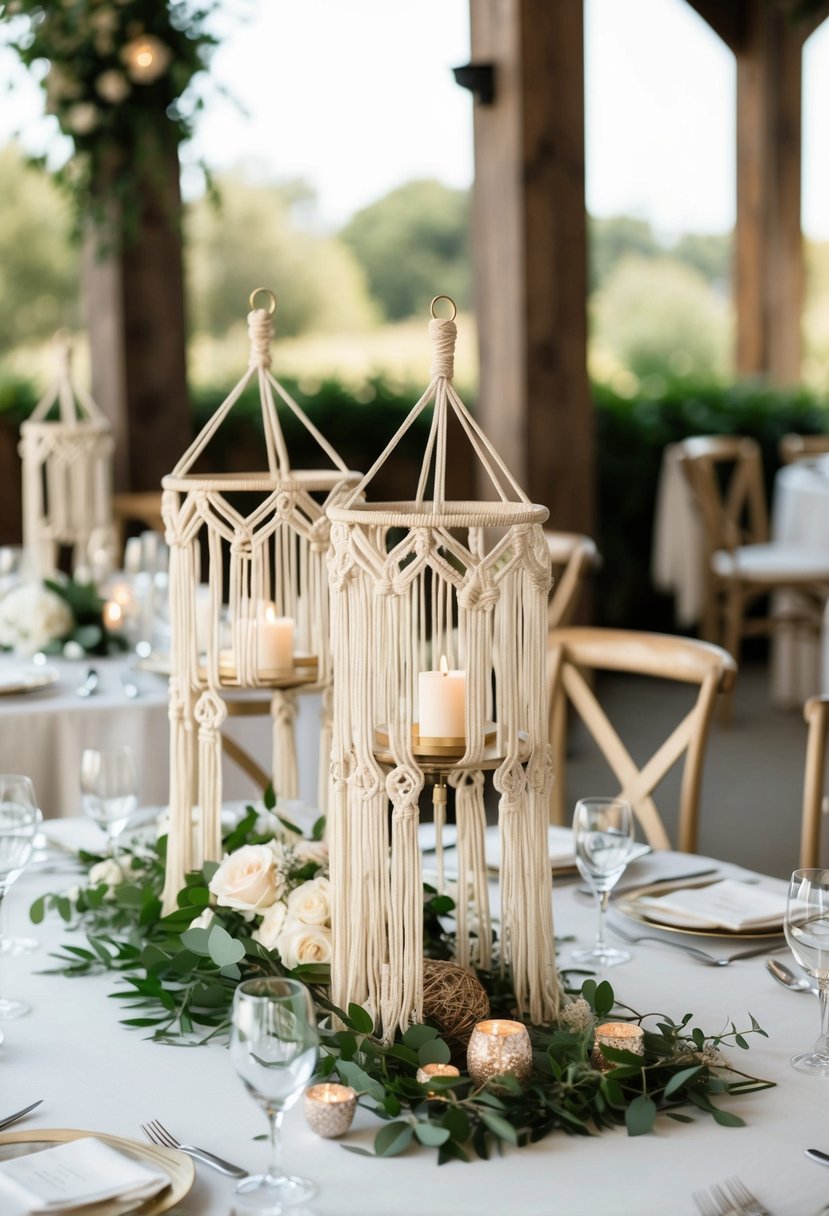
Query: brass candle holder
(329, 1109)
(499, 1048)
(623, 1036)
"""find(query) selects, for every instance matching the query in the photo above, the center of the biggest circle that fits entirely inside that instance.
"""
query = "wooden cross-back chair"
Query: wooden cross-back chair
(577, 653)
(816, 713)
(794, 447)
(573, 557)
(740, 564)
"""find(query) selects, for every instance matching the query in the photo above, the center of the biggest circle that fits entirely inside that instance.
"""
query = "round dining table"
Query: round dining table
(95, 1074)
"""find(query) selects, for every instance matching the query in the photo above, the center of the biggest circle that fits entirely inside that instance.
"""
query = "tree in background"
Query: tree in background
(414, 243)
(39, 264)
(252, 236)
(614, 237)
(657, 316)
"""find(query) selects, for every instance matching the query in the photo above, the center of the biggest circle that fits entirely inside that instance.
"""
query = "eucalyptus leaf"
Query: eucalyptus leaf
(393, 1139)
(431, 1135)
(640, 1116)
(224, 950)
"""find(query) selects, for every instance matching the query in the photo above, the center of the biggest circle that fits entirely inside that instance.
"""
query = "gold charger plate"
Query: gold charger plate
(24, 680)
(645, 916)
(179, 1167)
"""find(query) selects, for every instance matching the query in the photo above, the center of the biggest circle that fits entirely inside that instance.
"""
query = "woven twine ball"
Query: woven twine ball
(454, 1001)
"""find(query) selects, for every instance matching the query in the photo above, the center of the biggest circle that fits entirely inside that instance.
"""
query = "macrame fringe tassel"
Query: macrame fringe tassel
(284, 706)
(474, 935)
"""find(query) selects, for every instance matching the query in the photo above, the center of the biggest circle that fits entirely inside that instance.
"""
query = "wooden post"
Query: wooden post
(134, 298)
(530, 251)
(767, 37)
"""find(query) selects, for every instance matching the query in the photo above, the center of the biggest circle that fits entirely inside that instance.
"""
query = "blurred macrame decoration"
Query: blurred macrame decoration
(67, 478)
(248, 606)
(439, 624)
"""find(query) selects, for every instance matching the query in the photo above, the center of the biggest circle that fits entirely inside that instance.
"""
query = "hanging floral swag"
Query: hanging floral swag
(119, 78)
(265, 910)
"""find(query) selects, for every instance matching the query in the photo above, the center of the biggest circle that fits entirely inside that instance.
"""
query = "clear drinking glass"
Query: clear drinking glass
(273, 1046)
(109, 785)
(19, 821)
(603, 831)
(807, 932)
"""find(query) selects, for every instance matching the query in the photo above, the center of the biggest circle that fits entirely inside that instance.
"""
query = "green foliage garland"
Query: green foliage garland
(178, 982)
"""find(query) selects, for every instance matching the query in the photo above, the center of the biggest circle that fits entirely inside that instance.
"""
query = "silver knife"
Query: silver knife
(656, 882)
(18, 1114)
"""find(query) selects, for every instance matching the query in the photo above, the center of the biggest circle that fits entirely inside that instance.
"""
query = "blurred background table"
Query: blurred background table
(44, 732)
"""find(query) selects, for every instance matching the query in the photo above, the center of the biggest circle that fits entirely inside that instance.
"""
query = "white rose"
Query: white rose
(299, 943)
(109, 872)
(310, 903)
(246, 879)
(272, 925)
(204, 919)
(312, 850)
(32, 616)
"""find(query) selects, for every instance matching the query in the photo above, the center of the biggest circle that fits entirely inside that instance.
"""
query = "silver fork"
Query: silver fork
(734, 1199)
(702, 956)
(156, 1133)
(750, 1205)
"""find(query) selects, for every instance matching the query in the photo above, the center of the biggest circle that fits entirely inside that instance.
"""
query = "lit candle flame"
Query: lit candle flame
(444, 666)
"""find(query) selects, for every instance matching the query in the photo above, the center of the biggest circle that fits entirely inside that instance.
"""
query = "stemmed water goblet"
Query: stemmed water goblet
(19, 821)
(603, 832)
(807, 932)
(273, 1046)
(109, 785)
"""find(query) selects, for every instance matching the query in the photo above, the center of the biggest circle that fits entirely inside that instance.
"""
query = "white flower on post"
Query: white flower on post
(247, 879)
(299, 943)
(272, 925)
(310, 903)
(113, 86)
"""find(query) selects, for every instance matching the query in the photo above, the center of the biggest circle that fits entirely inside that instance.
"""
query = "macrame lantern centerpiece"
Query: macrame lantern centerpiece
(67, 477)
(439, 613)
(248, 605)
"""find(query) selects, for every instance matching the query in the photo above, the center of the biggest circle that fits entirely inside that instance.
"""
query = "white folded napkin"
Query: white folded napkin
(727, 904)
(73, 1176)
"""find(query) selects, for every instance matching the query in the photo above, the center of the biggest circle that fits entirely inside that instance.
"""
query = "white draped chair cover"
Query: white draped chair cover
(411, 582)
(67, 476)
(251, 539)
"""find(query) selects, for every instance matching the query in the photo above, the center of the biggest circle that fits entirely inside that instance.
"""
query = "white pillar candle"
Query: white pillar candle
(442, 703)
(274, 640)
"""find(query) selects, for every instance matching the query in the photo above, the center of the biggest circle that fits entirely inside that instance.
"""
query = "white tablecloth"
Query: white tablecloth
(42, 734)
(800, 516)
(95, 1074)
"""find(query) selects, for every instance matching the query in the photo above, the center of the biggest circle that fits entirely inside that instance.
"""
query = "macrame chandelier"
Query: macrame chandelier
(439, 613)
(67, 474)
(248, 606)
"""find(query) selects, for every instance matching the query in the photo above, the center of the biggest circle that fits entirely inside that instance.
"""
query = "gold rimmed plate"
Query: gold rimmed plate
(179, 1168)
(27, 679)
(631, 907)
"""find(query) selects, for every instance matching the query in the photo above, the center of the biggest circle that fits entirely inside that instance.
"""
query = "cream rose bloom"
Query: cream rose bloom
(273, 922)
(312, 850)
(299, 943)
(109, 872)
(246, 879)
(310, 903)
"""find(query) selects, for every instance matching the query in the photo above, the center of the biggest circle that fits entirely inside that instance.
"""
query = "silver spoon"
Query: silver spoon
(788, 978)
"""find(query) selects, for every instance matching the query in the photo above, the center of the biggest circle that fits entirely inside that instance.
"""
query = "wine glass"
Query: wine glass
(109, 785)
(19, 820)
(273, 1046)
(807, 932)
(603, 830)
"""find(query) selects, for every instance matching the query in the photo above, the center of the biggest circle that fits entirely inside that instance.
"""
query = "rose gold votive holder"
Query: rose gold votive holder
(329, 1109)
(499, 1048)
(623, 1036)
(424, 1075)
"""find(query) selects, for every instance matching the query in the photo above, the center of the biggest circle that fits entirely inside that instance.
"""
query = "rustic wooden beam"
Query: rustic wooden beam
(769, 253)
(530, 251)
(724, 17)
(134, 299)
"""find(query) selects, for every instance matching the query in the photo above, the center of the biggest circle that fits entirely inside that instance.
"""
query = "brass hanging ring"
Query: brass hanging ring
(271, 298)
(449, 300)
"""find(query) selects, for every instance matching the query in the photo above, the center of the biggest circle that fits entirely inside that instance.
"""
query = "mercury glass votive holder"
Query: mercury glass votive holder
(425, 1074)
(329, 1109)
(499, 1048)
(623, 1036)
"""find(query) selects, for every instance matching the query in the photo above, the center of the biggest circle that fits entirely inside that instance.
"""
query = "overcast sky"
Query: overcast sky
(358, 97)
